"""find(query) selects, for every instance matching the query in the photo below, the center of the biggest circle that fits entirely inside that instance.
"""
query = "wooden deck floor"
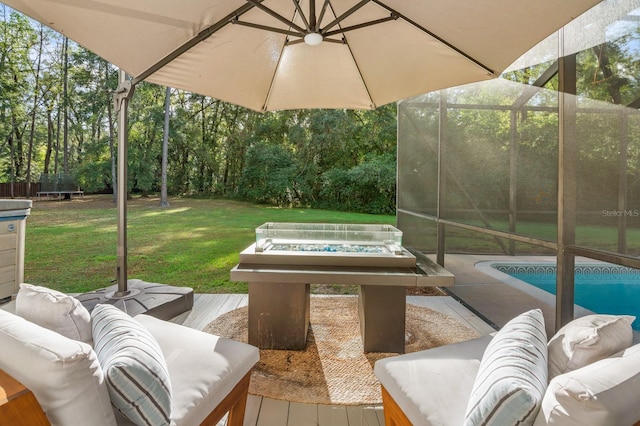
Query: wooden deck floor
(269, 412)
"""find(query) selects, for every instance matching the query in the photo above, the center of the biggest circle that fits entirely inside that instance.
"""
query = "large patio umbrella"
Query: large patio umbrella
(286, 54)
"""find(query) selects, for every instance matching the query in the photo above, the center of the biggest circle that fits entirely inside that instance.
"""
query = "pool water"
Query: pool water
(605, 289)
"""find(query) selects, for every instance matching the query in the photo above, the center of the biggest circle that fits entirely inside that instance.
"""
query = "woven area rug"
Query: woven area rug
(333, 368)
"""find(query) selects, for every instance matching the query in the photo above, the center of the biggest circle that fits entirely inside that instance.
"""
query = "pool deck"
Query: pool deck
(495, 300)
(496, 297)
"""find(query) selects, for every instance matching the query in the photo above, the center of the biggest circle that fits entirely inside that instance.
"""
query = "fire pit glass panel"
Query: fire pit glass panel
(328, 238)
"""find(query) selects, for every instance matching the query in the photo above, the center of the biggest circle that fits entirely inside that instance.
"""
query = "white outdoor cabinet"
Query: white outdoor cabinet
(13, 218)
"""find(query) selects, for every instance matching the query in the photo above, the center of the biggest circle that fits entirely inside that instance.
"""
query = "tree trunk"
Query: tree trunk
(65, 107)
(36, 89)
(12, 153)
(110, 118)
(56, 157)
(50, 132)
(164, 201)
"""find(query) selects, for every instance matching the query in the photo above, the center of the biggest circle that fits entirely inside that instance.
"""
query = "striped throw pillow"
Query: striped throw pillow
(134, 367)
(512, 377)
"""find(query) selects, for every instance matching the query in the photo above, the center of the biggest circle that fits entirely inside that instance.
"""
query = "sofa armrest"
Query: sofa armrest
(203, 368)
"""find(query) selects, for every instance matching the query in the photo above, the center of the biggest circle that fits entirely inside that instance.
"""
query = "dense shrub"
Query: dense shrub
(269, 175)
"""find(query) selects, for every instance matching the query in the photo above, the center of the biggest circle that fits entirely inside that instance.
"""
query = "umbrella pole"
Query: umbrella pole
(135, 296)
(122, 96)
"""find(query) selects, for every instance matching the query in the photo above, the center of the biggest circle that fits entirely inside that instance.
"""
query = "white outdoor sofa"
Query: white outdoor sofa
(587, 374)
(208, 375)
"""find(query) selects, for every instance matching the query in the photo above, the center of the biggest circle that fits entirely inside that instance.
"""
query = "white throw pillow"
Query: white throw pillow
(54, 310)
(63, 374)
(136, 373)
(588, 339)
(512, 377)
(602, 393)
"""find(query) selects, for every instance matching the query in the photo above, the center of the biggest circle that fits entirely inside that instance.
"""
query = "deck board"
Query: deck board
(253, 409)
(273, 412)
(303, 414)
(335, 415)
(363, 415)
(207, 307)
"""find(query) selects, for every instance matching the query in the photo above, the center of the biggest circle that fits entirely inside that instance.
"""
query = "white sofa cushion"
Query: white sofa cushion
(603, 393)
(432, 387)
(512, 376)
(588, 339)
(54, 310)
(136, 374)
(203, 368)
(63, 374)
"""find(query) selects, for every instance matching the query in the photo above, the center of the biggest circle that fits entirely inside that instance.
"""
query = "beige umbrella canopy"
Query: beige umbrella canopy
(253, 53)
(289, 54)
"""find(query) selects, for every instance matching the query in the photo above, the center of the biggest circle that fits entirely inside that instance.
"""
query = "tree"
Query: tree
(92, 121)
(269, 174)
(17, 37)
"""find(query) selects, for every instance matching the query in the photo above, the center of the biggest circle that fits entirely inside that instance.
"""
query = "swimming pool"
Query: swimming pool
(601, 288)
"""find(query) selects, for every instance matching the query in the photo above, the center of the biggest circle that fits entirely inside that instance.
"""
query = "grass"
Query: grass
(71, 246)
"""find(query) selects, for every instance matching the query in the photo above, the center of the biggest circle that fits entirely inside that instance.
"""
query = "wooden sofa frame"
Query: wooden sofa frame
(235, 403)
(19, 407)
(393, 414)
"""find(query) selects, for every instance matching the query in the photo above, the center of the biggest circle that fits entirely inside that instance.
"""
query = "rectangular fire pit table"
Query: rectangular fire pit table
(279, 289)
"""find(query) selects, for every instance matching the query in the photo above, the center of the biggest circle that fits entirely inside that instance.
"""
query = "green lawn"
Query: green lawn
(71, 246)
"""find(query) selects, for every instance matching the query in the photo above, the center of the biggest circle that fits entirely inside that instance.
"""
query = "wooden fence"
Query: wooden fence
(19, 189)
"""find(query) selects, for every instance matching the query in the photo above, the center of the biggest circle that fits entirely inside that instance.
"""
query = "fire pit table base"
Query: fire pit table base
(382, 311)
(279, 315)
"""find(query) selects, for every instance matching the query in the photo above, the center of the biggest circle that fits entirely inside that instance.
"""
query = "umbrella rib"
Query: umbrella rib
(200, 37)
(440, 39)
(344, 15)
(363, 25)
(259, 5)
(322, 12)
(266, 28)
(364, 83)
(273, 77)
(304, 18)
